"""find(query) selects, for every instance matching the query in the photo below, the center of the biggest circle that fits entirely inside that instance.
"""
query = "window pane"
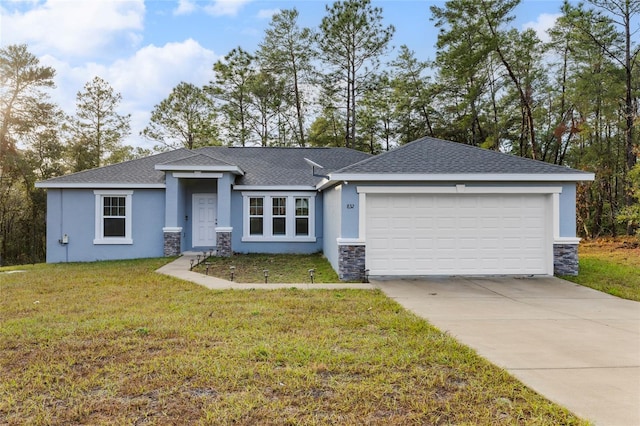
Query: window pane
(302, 226)
(279, 226)
(255, 206)
(255, 226)
(302, 206)
(114, 206)
(279, 206)
(114, 227)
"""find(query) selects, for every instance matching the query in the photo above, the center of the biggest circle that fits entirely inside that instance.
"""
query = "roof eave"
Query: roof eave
(455, 177)
(190, 168)
(94, 185)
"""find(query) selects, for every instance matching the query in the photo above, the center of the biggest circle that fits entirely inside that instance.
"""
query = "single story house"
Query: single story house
(430, 207)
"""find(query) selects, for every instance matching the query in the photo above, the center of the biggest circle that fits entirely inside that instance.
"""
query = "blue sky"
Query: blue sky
(145, 48)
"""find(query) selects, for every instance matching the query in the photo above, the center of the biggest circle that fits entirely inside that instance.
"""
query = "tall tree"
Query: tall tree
(412, 95)
(97, 128)
(286, 51)
(231, 89)
(22, 80)
(185, 119)
(30, 149)
(352, 40)
(267, 98)
(377, 114)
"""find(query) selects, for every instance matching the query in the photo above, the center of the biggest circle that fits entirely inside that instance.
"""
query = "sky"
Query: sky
(145, 48)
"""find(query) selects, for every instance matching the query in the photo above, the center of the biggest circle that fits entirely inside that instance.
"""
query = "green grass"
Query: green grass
(115, 343)
(283, 268)
(610, 266)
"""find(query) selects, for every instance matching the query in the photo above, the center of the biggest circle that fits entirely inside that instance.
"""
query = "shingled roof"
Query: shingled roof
(431, 156)
(425, 159)
(261, 166)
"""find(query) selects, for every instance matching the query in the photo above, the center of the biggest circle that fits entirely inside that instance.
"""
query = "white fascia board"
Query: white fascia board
(462, 177)
(191, 168)
(100, 185)
(459, 189)
(273, 188)
(197, 175)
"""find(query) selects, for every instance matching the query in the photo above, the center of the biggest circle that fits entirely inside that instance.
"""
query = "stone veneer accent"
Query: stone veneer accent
(172, 243)
(351, 262)
(565, 259)
(223, 244)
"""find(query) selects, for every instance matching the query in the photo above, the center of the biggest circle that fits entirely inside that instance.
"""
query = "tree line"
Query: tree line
(572, 100)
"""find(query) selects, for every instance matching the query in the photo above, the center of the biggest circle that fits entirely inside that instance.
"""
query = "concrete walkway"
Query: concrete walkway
(179, 268)
(576, 346)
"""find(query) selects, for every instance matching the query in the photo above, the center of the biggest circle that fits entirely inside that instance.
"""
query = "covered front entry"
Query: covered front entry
(458, 234)
(204, 220)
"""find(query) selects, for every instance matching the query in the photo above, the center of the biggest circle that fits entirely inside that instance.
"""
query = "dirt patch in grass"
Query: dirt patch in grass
(115, 343)
(611, 265)
(281, 268)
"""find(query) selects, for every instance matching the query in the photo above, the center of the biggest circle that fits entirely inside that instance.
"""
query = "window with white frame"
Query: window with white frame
(279, 216)
(113, 217)
(302, 216)
(256, 215)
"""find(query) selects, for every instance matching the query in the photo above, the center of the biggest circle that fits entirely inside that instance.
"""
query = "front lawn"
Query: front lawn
(611, 266)
(116, 343)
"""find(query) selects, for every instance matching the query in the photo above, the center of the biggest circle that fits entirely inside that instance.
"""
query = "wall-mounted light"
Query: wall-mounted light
(64, 240)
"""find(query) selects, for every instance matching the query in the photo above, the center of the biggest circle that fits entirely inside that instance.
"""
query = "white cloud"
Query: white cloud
(225, 7)
(185, 7)
(144, 79)
(267, 13)
(73, 28)
(544, 22)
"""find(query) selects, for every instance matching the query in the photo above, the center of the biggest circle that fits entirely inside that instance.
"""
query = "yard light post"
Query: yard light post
(312, 273)
(191, 267)
(233, 271)
(266, 276)
(207, 264)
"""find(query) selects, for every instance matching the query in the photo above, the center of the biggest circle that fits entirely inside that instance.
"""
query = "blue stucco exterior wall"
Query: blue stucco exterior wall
(568, 210)
(72, 212)
(332, 199)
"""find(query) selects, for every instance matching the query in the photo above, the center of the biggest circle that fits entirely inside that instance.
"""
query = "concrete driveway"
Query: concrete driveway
(576, 346)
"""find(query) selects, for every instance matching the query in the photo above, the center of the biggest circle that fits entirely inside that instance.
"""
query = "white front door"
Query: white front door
(204, 220)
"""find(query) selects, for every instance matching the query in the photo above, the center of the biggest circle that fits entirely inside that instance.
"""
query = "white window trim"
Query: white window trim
(99, 223)
(290, 235)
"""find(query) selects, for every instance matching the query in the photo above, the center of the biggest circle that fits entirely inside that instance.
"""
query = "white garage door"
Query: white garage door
(457, 234)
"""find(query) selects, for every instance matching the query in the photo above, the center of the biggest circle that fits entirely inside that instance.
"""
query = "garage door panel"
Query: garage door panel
(439, 234)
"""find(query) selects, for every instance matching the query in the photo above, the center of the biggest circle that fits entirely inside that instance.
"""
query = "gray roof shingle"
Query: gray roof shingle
(436, 156)
(262, 166)
(283, 166)
(287, 166)
(139, 171)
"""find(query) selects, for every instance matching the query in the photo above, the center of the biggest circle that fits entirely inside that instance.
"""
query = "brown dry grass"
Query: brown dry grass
(611, 265)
